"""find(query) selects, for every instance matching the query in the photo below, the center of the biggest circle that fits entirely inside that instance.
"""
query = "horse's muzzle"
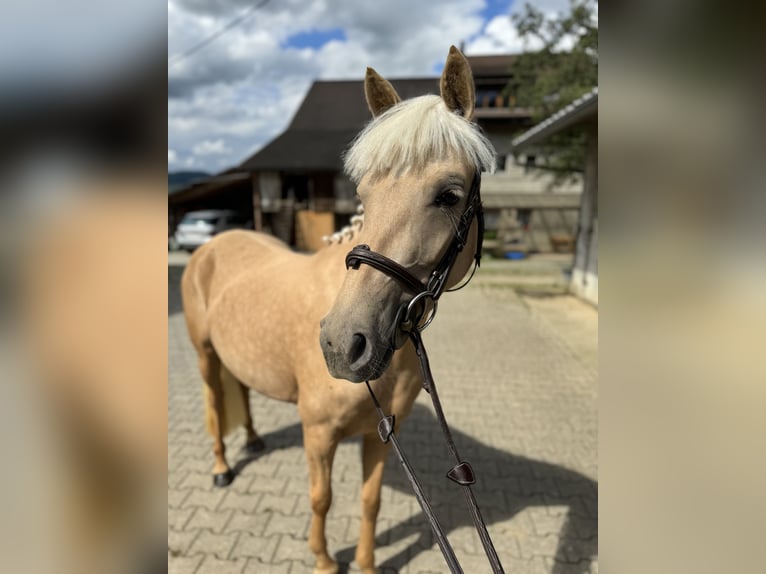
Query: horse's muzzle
(356, 358)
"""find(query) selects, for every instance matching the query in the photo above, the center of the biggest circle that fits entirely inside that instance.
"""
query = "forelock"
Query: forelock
(413, 134)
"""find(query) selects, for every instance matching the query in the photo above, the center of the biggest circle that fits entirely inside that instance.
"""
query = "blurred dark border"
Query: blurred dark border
(117, 121)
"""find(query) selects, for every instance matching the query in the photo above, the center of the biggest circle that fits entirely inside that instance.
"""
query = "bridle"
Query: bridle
(413, 317)
(433, 288)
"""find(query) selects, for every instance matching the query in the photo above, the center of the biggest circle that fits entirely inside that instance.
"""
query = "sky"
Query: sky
(239, 69)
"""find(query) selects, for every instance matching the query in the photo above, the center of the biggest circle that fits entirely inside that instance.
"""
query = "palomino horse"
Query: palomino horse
(254, 308)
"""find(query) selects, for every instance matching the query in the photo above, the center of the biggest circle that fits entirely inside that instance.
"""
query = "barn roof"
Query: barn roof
(331, 115)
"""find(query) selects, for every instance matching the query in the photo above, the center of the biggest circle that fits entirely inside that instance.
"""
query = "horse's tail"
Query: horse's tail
(233, 412)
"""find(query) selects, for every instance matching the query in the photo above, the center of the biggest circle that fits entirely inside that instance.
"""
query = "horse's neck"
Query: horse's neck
(329, 263)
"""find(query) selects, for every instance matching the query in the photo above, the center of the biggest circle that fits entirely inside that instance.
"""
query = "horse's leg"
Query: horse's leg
(253, 443)
(320, 443)
(374, 453)
(210, 367)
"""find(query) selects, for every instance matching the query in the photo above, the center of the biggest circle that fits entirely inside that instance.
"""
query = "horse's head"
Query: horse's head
(414, 165)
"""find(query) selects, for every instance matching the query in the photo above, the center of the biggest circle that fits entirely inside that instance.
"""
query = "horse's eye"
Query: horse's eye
(446, 198)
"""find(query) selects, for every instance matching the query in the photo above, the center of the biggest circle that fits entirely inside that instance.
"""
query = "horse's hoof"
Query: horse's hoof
(255, 446)
(223, 478)
(329, 569)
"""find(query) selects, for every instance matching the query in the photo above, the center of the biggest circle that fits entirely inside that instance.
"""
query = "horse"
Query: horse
(293, 326)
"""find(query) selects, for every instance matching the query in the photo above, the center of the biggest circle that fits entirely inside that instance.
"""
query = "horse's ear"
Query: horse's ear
(456, 84)
(379, 92)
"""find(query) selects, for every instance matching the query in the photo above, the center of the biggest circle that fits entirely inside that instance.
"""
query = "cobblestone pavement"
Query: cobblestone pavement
(517, 377)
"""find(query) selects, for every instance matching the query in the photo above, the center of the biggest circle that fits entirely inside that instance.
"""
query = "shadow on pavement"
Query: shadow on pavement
(506, 485)
(286, 437)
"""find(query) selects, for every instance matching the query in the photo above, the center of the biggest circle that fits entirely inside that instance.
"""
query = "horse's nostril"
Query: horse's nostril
(356, 350)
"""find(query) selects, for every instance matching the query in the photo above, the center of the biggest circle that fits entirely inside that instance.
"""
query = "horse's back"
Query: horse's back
(234, 248)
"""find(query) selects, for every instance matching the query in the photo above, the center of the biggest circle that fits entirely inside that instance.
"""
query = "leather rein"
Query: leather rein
(413, 317)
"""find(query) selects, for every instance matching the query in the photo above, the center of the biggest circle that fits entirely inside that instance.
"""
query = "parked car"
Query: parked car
(198, 227)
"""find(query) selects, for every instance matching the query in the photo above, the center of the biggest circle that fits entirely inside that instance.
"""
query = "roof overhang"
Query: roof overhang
(579, 111)
(208, 186)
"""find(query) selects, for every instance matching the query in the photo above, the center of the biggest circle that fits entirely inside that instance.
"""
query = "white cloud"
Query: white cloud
(500, 37)
(172, 156)
(244, 87)
(210, 147)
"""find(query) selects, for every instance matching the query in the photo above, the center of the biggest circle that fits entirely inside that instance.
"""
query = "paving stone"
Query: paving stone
(179, 542)
(575, 487)
(574, 551)
(474, 563)
(382, 531)
(271, 502)
(463, 540)
(297, 525)
(260, 547)
(241, 484)
(214, 521)
(194, 450)
(198, 480)
(558, 567)
(539, 546)
(209, 499)
(536, 566)
(292, 548)
(178, 517)
(545, 523)
(337, 528)
(238, 501)
(176, 497)
(184, 564)
(212, 565)
(253, 524)
(584, 528)
(219, 545)
(198, 465)
(175, 477)
(505, 544)
(262, 484)
(256, 566)
(297, 484)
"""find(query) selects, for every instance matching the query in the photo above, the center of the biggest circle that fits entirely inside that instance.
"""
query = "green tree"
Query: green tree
(562, 70)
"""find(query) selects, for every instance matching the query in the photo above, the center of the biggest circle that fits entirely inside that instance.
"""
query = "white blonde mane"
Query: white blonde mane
(412, 134)
(407, 137)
